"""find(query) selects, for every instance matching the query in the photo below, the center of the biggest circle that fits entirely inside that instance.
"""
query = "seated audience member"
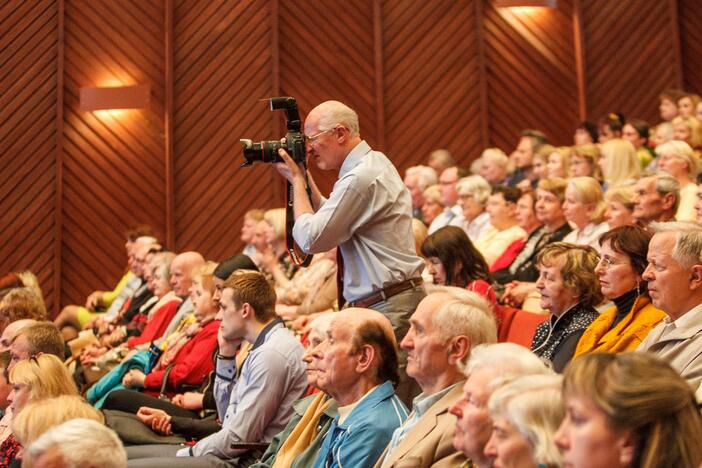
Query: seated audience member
(417, 180)
(663, 133)
(249, 411)
(276, 261)
(628, 410)
(248, 227)
(539, 169)
(501, 207)
(668, 107)
(619, 163)
(8, 335)
(452, 260)
(698, 211)
(440, 160)
(558, 163)
(619, 210)
(357, 366)
(38, 417)
(687, 104)
(623, 327)
(297, 445)
(447, 324)
(656, 198)
(5, 387)
(569, 291)
(584, 162)
(20, 279)
(494, 165)
(73, 318)
(520, 275)
(33, 379)
(20, 304)
(419, 232)
(473, 193)
(310, 290)
(526, 413)
(689, 130)
(79, 443)
(260, 242)
(674, 276)
(489, 367)
(698, 111)
(452, 213)
(526, 219)
(585, 134)
(35, 340)
(584, 209)
(678, 159)
(610, 127)
(529, 142)
(636, 132)
(432, 207)
(185, 359)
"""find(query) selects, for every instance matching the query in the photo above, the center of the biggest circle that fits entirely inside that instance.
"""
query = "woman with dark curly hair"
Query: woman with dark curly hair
(452, 260)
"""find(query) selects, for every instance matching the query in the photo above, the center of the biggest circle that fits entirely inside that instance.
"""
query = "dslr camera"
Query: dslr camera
(294, 142)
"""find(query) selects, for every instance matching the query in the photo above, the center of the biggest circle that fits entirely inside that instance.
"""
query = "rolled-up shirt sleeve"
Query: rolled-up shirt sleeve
(335, 220)
(251, 405)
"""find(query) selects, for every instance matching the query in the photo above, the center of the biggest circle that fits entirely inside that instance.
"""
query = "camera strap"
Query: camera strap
(296, 254)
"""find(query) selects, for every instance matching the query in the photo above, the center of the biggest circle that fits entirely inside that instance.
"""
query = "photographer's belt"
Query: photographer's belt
(386, 293)
(296, 254)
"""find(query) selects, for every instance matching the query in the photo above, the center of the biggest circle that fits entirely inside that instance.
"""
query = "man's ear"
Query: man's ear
(366, 358)
(247, 311)
(458, 348)
(696, 276)
(668, 201)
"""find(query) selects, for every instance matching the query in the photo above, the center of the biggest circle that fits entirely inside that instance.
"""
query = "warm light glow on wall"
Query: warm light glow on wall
(114, 97)
(523, 4)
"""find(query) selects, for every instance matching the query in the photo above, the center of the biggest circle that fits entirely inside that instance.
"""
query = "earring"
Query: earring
(638, 288)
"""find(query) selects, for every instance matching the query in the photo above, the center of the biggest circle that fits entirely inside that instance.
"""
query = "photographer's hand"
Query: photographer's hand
(296, 176)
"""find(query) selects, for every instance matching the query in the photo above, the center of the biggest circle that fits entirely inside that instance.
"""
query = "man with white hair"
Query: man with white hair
(78, 443)
(489, 366)
(452, 214)
(447, 324)
(417, 179)
(656, 198)
(674, 276)
(494, 165)
(367, 215)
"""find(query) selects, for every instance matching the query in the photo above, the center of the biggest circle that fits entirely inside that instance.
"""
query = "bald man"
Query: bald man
(8, 335)
(368, 215)
(357, 366)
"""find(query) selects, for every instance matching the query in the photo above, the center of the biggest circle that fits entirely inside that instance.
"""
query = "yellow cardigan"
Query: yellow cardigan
(626, 335)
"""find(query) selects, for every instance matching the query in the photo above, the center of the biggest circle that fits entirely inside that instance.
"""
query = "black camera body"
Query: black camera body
(294, 142)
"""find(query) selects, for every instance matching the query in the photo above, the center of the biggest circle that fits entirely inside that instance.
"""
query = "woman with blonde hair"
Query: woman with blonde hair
(432, 207)
(619, 163)
(687, 105)
(276, 262)
(619, 206)
(689, 130)
(558, 164)
(584, 209)
(628, 410)
(34, 379)
(678, 159)
(584, 161)
(526, 413)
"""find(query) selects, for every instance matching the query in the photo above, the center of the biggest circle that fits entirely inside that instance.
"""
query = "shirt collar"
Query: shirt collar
(261, 338)
(354, 158)
(422, 402)
(691, 317)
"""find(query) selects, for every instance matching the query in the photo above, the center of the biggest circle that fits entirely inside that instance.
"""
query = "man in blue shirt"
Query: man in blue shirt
(254, 403)
(357, 366)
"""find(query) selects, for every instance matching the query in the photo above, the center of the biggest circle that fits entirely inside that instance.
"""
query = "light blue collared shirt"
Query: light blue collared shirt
(369, 216)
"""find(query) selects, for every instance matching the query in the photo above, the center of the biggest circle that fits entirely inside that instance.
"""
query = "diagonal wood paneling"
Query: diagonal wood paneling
(327, 53)
(222, 68)
(431, 77)
(113, 161)
(690, 22)
(530, 72)
(28, 60)
(630, 57)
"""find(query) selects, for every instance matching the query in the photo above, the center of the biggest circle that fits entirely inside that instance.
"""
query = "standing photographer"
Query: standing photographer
(367, 215)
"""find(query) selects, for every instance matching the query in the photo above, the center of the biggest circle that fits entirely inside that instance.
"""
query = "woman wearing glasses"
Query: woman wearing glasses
(622, 262)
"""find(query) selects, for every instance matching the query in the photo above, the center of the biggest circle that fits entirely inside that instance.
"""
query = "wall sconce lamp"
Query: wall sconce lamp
(526, 3)
(120, 97)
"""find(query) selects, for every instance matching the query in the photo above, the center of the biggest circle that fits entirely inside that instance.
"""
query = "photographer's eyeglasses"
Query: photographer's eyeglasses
(313, 138)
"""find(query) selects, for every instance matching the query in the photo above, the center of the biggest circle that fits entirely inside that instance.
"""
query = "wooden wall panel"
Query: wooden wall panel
(630, 57)
(431, 76)
(690, 22)
(327, 53)
(222, 69)
(530, 73)
(113, 161)
(28, 60)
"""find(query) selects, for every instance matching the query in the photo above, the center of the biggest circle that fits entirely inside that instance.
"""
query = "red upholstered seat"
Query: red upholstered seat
(517, 326)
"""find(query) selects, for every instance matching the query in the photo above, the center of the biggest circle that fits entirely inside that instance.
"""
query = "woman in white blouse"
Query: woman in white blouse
(584, 209)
